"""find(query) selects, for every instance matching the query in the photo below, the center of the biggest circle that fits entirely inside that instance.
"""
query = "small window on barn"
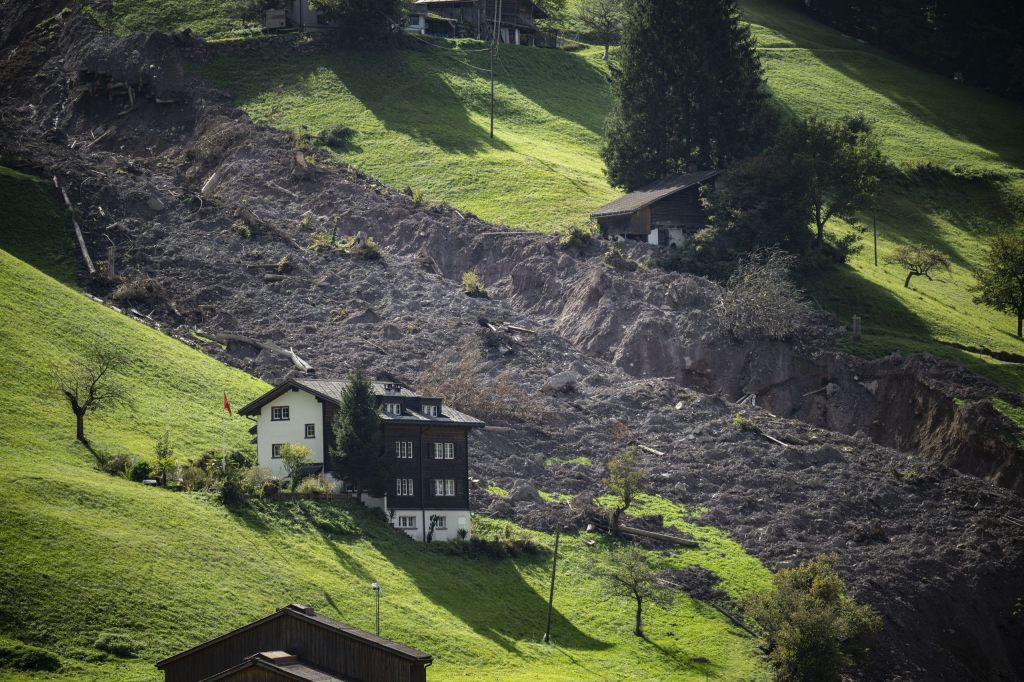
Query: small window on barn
(280, 414)
(275, 450)
(310, 430)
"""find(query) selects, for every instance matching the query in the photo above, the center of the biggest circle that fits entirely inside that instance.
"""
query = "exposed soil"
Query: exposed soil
(926, 545)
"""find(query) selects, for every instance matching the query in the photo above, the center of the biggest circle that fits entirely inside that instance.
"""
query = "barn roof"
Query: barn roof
(305, 613)
(649, 194)
(330, 390)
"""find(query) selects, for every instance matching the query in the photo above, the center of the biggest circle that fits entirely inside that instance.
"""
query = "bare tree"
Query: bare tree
(627, 573)
(760, 301)
(603, 19)
(918, 261)
(91, 385)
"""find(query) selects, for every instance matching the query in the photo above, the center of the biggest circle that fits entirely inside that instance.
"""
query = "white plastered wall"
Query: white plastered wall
(454, 519)
(303, 409)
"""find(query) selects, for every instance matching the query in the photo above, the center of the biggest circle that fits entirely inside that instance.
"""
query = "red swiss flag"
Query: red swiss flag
(227, 405)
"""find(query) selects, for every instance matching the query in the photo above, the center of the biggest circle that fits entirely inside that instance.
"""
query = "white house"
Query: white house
(428, 440)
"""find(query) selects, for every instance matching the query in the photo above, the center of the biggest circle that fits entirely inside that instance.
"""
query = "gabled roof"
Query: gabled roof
(284, 665)
(330, 390)
(309, 615)
(649, 194)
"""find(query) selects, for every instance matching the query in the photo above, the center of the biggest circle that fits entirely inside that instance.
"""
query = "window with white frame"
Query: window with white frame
(440, 522)
(310, 430)
(279, 413)
(444, 487)
(430, 410)
(275, 450)
(403, 487)
(403, 449)
(444, 450)
(393, 408)
(407, 522)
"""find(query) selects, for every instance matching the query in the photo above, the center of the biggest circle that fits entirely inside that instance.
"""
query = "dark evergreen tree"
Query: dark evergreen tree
(363, 20)
(690, 91)
(358, 453)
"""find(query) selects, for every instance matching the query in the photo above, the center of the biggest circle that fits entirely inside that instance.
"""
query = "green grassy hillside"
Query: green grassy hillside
(86, 553)
(421, 118)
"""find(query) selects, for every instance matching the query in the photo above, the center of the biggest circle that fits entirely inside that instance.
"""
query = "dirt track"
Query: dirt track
(927, 546)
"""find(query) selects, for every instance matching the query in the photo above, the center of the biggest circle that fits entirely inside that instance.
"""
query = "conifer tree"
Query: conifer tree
(690, 91)
(358, 453)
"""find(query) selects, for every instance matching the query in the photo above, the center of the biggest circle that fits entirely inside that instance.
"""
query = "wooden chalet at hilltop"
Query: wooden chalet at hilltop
(296, 643)
(428, 440)
(516, 19)
(665, 213)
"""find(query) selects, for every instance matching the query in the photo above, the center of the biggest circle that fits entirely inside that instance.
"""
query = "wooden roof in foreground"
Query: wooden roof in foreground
(654, 192)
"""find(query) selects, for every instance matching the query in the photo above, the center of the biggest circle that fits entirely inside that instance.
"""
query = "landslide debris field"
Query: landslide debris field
(599, 354)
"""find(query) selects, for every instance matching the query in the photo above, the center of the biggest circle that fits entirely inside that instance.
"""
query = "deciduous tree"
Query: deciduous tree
(358, 452)
(761, 302)
(1001, 276)
(811, 624)
(690, 91)
(90, 384)
(363, 20)
(918, 261)
(625, 480)
(602, 19)
(627, 573)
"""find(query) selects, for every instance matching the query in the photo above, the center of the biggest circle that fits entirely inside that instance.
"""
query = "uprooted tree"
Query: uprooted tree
(1001, 276)
(761, 301)
(91, 384)
(626, 572)
(918, 261)
(625, 480)
(810, 623)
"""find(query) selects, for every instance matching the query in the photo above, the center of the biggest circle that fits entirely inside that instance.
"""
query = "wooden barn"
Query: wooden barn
(515, 25)
(665, 212)
(295, 643)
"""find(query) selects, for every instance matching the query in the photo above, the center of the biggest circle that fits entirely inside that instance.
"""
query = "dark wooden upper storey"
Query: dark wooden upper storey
(296, 643)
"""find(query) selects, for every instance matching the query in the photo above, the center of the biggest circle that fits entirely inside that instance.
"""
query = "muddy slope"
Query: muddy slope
(929, 547)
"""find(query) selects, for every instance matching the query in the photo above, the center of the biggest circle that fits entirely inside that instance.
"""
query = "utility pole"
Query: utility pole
(551, 594)
(376, 588)
(494, 51)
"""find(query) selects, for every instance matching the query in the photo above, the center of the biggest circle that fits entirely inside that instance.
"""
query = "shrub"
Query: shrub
(614, 258)
(118, 644)
(472, 286)
(18, 656)
(316, 485)
(195, 478)
(294, 458)
(141, 471)
(577, 236)
(259, 482)
(742, 424)
(241, 229)
(145, 289)
(336, 137)
(810, 622)
(116, 465)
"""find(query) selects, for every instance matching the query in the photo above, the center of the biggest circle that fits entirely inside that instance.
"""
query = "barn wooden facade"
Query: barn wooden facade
(296, 643)
(516, 19)
(665, 212)
(426, 441)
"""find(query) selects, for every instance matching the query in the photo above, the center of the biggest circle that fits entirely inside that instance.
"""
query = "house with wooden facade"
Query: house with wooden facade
(515, 25)
(296, 643)
(665, 213)
(428, 440)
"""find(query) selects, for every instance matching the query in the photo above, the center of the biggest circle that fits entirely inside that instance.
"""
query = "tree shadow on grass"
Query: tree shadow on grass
(488, 595)
(933, 100)
(405, 90)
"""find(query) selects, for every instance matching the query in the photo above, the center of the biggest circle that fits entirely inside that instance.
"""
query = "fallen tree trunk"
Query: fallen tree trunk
(290, 354)
(78, 229)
